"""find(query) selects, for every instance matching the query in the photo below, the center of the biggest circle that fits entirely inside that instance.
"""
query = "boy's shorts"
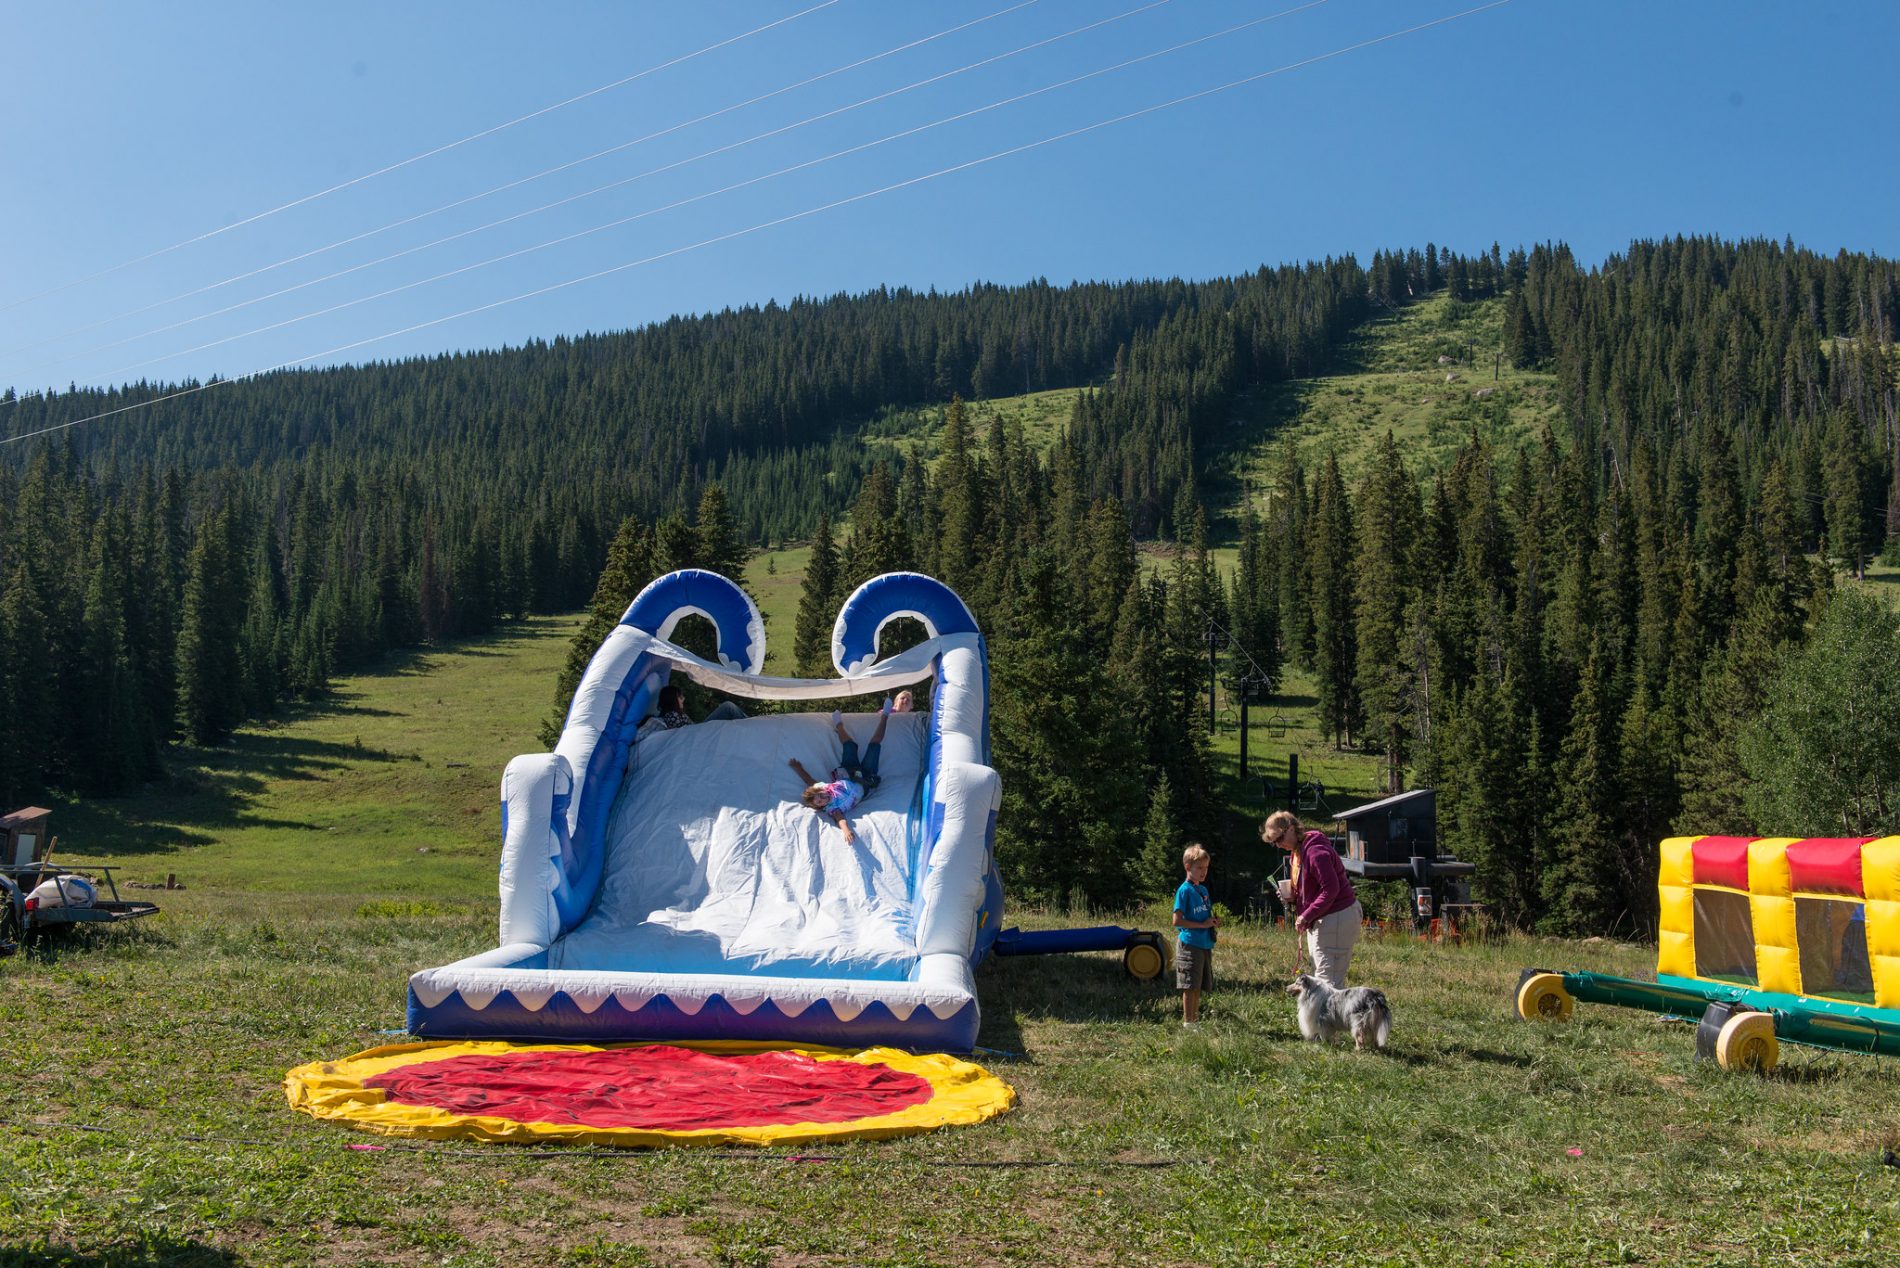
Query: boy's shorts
(1193, 968)
(863, 771)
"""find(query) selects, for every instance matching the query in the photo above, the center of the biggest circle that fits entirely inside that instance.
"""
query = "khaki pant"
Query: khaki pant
(1330, 943)
(1193, 968)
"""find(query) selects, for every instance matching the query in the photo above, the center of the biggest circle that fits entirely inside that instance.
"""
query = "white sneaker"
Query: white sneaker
(887, 705)
(837, 719)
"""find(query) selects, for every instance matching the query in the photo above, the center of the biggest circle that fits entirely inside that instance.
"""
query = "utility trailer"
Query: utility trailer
(26, 864)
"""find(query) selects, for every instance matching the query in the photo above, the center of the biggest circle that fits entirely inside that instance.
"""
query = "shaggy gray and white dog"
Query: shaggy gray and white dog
(1326, 1012)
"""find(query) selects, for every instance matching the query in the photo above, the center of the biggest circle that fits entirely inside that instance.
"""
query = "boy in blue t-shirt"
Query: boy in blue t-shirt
(1194, 917)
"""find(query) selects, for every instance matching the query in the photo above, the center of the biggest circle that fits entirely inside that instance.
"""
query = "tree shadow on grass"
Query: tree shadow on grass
(120, 937)
(210, 789)
(1074, 987)
(213, 788)
(341, 708)
(1457, 1054)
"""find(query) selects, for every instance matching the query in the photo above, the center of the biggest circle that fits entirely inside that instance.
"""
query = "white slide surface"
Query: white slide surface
(714, 865)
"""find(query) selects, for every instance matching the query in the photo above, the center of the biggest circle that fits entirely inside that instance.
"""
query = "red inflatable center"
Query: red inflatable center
(657, 1088)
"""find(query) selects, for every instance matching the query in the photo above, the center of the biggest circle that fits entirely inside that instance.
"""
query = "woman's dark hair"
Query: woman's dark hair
(672, 700)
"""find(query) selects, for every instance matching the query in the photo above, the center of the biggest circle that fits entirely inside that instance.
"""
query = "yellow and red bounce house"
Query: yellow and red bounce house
(1793, 938)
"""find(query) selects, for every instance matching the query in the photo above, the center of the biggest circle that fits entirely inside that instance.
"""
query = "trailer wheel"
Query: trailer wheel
(10, 930)
(1542, 997)
(1143, 960)
(1747, 1042)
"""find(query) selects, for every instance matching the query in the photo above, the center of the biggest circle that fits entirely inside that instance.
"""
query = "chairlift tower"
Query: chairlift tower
(1253, 686)
(1216, 639)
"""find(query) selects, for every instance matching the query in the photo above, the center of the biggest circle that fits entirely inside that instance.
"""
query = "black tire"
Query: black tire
(11, 930)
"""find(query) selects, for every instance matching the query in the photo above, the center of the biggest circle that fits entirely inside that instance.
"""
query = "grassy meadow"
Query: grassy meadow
(329, 854)
(1388, 378)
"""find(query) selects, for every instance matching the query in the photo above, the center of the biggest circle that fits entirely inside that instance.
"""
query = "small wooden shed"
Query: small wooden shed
(1397, 838)
(23, 836)
(1395, 830)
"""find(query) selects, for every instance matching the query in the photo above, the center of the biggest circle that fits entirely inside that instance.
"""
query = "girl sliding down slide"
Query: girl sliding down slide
(850, 780)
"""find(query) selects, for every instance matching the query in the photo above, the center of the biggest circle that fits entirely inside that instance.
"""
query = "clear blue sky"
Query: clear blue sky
(133, 127)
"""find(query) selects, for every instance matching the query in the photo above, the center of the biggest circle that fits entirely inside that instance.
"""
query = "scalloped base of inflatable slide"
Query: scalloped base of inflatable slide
(646, 1095)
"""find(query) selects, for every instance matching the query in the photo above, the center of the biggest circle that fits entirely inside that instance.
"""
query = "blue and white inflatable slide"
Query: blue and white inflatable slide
(674, 887)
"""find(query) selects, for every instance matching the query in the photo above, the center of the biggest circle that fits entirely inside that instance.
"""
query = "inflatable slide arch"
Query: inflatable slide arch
(671, 886)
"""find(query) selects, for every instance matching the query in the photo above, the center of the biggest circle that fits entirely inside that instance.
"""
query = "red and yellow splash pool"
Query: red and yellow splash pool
(646, 1094)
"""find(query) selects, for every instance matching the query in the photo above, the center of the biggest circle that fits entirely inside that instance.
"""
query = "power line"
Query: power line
(417, 158)
(769, 224)
(526, 180)
(695, 198)
(622, 182)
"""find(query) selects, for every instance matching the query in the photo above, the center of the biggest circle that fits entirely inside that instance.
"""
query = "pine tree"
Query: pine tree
(1108, 568)
(1335, 653)
(111, 702)
(1482, 748)
(1578, 880)
(1144, 690)
(1160, 841)
(1647, 799)
(676, 544)
(259, 637)
(1288, 528)
(1389, 521)
(1073, 787)
(27, 684)
(959, 513)
(152, 623)
(1718, 531)
(880, 539)
(631, 565)
(436, 614)
(1847, 499)
(817, 605)
(1520, 336)
(210, 673)
(719, 546)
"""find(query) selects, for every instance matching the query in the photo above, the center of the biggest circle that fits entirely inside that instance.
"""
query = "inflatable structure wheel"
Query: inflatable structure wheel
(1542, 997)
(1747, 1042)
(1143, 959)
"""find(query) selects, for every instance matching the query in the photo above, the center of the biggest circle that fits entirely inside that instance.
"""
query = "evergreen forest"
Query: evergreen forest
(1586, 642)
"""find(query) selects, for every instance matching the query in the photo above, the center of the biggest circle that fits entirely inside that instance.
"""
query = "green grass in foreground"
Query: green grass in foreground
(144, 1122)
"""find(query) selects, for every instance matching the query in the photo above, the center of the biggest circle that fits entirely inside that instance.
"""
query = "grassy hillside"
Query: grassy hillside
(1041, 415)
(1388, 377)
(145, 1123)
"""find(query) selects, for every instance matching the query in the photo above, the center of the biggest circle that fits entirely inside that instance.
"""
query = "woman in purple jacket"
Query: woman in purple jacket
(1320, 895)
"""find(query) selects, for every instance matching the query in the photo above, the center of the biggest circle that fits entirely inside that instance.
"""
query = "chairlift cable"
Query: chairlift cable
(551, 171)
(769, 224)
(695, 198)
(417, 158)
(1234, 641)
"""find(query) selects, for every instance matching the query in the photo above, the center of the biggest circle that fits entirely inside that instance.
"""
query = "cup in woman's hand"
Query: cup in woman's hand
(1286, 891)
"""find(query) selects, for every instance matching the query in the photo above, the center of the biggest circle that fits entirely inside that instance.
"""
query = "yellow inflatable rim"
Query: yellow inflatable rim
(960, 1093)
